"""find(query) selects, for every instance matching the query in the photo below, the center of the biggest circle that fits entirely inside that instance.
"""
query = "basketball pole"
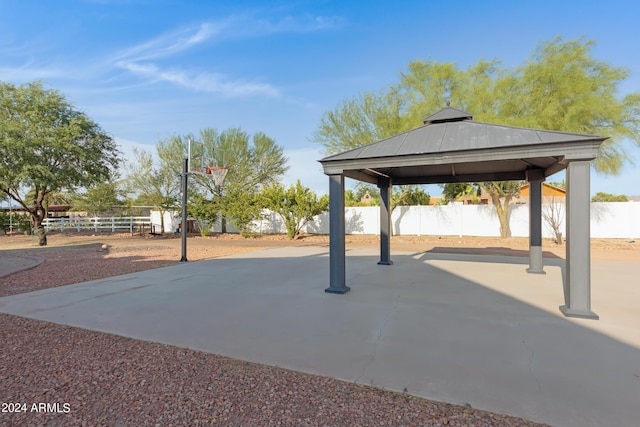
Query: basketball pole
(185, 174)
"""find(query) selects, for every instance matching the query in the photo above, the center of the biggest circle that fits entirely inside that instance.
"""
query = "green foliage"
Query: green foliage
(454, 191)
(47, 146)
(560, 87)
(404, 195)
(410, 195)
(19, 222)
(360, 121)
(606, 197)
(242, 208)
(350, 199)
(355, 197)
(204, 211)
(253, 162)
(98, 199)
(296, 205)
(501, 193)
(5, 221)
(156, 182)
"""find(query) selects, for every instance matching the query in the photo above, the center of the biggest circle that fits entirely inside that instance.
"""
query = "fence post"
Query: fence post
(113, 224)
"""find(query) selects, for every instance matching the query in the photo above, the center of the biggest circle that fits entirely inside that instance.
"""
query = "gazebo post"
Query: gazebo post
(535, 178)
(578, 264)
(337, 281)
(384, 184)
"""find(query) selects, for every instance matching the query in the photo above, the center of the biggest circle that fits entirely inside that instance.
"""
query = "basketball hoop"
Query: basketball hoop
(217, 173)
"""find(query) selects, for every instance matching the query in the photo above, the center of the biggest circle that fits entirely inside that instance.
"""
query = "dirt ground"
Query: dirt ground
(168, 248)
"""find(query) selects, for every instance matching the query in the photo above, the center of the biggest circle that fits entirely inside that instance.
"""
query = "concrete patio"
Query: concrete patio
(457, 328)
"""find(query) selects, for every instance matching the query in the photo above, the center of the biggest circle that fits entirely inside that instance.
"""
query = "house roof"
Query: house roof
(546, 188)
(51, 208)
(452, 147)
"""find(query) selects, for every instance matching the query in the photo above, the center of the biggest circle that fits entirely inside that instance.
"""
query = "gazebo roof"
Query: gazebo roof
(452, 147)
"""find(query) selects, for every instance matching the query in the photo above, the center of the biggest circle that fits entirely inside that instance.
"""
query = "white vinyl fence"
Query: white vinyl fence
(608, 220)
(112, 224)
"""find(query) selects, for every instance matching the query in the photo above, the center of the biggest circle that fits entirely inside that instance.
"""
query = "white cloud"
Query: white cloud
(204, 82)
(139, 59)
(168, 44)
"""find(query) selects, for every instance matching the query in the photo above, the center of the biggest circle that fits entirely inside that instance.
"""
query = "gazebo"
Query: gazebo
(452, 147)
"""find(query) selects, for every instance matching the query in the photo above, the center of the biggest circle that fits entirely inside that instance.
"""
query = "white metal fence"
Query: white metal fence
(112, 224)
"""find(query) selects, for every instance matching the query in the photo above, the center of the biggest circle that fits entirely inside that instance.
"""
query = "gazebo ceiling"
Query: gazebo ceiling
(451, 147)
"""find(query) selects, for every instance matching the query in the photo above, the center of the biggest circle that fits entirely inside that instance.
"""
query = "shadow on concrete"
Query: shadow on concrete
(491, 250)
(505, 255)
(492, 350)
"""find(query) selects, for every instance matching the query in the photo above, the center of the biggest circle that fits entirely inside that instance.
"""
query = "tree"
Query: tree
(360, 121)
(47, 146)
(606, 197)
(204, 211)
(404, 195)
(410, 195)
(560, 87)
(553, 213)
(254, 162)
(454, 191)
(98, 199)
(243, 208)
(501, 193)
(354, 197)
(296, 205)
(155, 182)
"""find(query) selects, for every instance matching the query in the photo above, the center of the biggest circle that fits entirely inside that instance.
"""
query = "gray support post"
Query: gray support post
(385, 221)
(337, 281)
(535, 224)
(185, 177)
(578, 264)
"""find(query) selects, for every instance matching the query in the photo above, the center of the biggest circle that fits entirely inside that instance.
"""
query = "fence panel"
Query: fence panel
(608, 220)
(94, 224)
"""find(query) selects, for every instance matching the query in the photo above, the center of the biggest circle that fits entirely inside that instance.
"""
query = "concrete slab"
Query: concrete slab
(13, 263)
(456, 328)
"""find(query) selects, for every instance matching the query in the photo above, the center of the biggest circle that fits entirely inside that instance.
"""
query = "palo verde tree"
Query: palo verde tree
(606, 197)
(560, 87)
(154, 181)
(254, 162)
(98, 199)
(296, 205)
(48, 146)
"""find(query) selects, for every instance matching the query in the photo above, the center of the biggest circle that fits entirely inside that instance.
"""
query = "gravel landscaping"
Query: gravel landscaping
(92, 378)
(105, 379)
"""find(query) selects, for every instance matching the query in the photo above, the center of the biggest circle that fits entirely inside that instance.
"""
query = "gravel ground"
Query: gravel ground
(104, 379)
(92, 378)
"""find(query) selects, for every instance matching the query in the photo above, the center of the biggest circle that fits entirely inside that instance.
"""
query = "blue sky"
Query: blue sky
(145, 70)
